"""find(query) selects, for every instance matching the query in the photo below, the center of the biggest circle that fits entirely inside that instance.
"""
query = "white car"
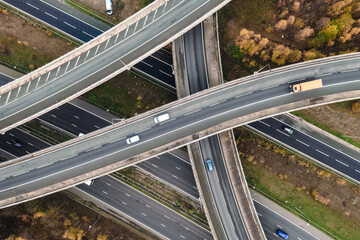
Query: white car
(132, 139)
(161, 118)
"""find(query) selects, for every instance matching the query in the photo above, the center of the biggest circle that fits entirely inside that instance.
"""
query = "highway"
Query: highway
(319, 151)
(144, 209)
(158, 65)
(218, 181)
(92, 64)
(209, 108)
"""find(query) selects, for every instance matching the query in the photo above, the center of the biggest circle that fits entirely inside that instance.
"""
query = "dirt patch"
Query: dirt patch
(337, 117)
(326, 197)
(58, 217)
(122, 9)
(32, 36)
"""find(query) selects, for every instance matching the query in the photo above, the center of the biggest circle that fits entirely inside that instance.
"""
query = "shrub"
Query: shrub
(237, 53)
(324, 36)
(121, 5)
(355, 107)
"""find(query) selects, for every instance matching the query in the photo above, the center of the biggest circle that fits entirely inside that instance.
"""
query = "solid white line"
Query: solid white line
(147, 64)
(32, 6)
(70, 25)
(350, 70)
(264, 123)
(322, 152)
(302, 143)
(50, 15)
(166, 73)
(88, 34)
(342, 163)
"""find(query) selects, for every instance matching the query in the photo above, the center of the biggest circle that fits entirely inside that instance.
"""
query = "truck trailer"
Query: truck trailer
(304, 86)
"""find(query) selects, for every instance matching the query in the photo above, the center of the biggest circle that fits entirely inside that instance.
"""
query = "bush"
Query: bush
(324, 36)
(355, 107)
(121, 5)
(237, 53)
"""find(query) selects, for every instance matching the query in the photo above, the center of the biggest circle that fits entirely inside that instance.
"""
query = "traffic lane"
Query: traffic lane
(103, 155)
(153, 71)
(29, 144)
(164, 56)
(271, 221)
(162, 66)
(57, 18)
(311, 147)
(74, 120)
(144, 209)
(229, 212)
(173, 171)
(5, 79)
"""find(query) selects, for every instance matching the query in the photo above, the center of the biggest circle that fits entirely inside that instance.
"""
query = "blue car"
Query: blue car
(209, 165)
(282, 234)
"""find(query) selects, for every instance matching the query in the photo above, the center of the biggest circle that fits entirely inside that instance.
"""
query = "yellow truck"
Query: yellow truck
(304, 86)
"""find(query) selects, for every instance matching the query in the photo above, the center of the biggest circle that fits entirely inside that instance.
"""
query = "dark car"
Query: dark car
(15, 143)
(282, 234)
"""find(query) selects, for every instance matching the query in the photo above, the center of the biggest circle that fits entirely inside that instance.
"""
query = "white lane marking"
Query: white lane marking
(302, 143)
(51, 15)
(299, 238)
(163, 225)
(108, 184)
(157, 157)
(341, 162)
(178, 168)
(357, 170)
(32, 6)
(167, 217)
(124, 203)
(350, 70)
(70, 25)
(76, 117)
(182, 236)
(279, 226)
(322, 152)
(154, 165)
(105, 192)
(194, 187)
(147, 205)
(143, 214)
(27, 152)
(30, 144)
(127, 194)
(147, 64)
(8, 143)
(96, 126)
(88, 34)
(264, 123)
(259, 214)
(11, 134)
(53, 115)
(175, 176)
(74, 125)
(282, 132)
(165, 73)
(187, 228)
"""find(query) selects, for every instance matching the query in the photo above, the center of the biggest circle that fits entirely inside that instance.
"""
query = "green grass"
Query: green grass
(144, 3)
(46, 133)
(19, 55)
(114, 99)
(323, 127)
(90, 12)
(300, 202)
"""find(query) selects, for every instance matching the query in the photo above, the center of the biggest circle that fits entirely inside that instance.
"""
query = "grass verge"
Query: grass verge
(319, 125)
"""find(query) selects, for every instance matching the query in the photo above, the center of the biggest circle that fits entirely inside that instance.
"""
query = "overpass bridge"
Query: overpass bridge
(100, 59)
(191, 118)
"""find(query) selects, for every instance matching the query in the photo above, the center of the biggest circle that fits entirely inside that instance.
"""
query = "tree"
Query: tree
(304, 33)
(281, 25)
